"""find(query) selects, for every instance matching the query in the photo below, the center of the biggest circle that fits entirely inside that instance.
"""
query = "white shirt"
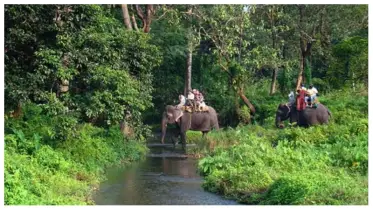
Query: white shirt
(313, 91)
(291, 97)
(190, 96)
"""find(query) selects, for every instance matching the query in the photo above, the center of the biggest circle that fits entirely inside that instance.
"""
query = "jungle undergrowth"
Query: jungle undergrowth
(320, 165)
(49, 163)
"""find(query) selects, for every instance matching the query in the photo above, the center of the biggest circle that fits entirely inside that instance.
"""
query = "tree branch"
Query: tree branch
(140, 13)
(161, 16)
(191, 13)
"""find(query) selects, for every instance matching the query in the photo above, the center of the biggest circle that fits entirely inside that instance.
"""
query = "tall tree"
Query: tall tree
(272, 23)
(146, 17)
(272, 13)
(73, 43)
(222, 24)
(126, 17)
(308, 24)
(188, 73)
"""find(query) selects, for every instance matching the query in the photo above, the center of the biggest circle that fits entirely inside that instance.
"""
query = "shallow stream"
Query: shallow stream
(165, 177)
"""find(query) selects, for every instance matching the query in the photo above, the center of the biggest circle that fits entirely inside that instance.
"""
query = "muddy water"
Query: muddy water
(164, 178)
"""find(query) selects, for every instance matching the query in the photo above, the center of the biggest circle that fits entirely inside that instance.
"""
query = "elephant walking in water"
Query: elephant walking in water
(196, 121)
(307, 117)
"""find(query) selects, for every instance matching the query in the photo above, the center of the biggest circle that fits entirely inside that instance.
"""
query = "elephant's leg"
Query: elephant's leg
(175, 138)
(183, 141)
(204, 134)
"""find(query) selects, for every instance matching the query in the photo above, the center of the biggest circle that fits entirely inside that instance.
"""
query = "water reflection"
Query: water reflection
(157, 181)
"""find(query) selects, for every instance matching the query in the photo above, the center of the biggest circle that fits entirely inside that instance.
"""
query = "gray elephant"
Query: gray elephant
(307, 117)
(196, 121)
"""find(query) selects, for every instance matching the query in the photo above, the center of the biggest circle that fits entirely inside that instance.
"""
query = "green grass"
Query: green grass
(50, 164)
(260, 164)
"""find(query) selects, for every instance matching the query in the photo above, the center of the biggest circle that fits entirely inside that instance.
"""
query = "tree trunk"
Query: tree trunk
(149, 11)
(305, 45)
(237, 106)
(188, 73)
(301, 64)
(17, 112)
(246, 100)
(134, 23)
(145, 18)
(301, 72)
(273, 83)
(126, 17)
(274, 73)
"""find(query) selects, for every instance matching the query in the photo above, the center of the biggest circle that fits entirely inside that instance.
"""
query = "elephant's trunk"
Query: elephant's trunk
(164, 127)
(278, 122)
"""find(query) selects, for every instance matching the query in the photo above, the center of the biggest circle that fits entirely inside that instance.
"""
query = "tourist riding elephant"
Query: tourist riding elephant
(196, 121)
(307, 117)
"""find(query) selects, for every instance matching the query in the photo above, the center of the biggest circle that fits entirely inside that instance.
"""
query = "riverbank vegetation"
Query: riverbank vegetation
(54, 160)
(83, 84)
(72, 74)
(259, 164)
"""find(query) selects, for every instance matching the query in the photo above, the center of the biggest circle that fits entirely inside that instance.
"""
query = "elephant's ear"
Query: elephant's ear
(280, 105)
(178, 114)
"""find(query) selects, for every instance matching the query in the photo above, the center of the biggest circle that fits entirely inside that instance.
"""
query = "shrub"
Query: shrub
(324, 164)
(287, 191)
(53, 160)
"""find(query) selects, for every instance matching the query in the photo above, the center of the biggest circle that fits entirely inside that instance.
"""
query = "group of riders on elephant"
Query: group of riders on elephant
(302, 110)
(206, 119)
(203, 121)
(306, 117)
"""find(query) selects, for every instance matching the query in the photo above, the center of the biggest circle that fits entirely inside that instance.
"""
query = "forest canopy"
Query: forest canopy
(118, 58)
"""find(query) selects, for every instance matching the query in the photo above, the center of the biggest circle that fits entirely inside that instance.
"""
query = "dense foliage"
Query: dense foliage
(238, 50)
(102, 62)
(319, 165)
(82, 82)
(51, 155)
(52, 162)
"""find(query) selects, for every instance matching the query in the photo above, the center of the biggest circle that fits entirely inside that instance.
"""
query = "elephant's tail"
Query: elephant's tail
(330, 114)
(216, 126)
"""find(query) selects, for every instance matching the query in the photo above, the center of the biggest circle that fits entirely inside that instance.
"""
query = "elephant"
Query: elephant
(305, 118)
(196, 121)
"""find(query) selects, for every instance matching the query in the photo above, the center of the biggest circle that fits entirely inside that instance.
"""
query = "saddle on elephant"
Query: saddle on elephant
(195, 109)
(193, 103)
